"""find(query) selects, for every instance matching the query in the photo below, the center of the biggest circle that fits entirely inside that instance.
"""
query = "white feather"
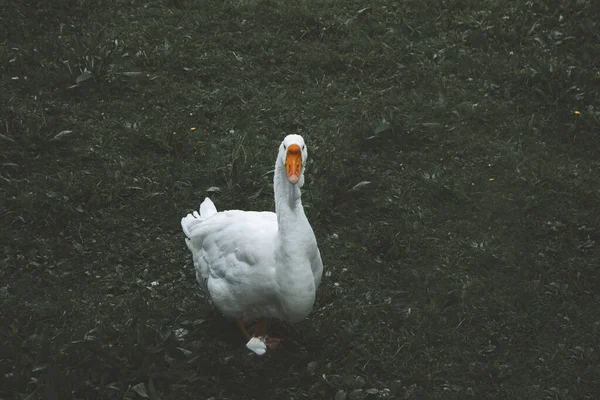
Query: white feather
(257, 345)
(207, 209)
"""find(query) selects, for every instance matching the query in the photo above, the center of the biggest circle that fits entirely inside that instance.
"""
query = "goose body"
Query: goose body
(259, 265)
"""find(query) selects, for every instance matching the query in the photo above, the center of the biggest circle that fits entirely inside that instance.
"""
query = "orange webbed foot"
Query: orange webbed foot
(272, 342)
(260, 341)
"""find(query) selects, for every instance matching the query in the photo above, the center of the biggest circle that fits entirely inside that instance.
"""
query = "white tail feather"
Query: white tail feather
(207, 210)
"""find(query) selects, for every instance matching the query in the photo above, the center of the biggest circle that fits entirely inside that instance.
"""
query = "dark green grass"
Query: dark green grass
(466, 268)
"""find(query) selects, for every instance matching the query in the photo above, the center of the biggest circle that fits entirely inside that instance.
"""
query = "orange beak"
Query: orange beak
(293, 163)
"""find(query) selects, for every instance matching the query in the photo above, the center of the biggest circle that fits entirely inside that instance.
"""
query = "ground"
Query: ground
(453, 188)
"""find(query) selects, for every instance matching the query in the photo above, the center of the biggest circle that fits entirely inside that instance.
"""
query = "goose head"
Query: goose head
(293, 156)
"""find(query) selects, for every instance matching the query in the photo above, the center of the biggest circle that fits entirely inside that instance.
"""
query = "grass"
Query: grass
(463, 265)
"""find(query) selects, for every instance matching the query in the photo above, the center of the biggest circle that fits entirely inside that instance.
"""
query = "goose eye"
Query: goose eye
(284, 147)
(302, 147)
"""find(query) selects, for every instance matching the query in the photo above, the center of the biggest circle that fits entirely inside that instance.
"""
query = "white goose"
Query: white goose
(255, 266)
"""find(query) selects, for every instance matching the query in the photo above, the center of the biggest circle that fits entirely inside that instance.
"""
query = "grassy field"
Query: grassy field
(453, 187)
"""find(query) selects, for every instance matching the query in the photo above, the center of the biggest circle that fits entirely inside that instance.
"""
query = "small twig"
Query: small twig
(399, 348)
(79, 232)
(367, 363)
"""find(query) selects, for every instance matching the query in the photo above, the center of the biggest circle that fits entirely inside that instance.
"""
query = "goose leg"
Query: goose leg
(240, 324)
(261, 331)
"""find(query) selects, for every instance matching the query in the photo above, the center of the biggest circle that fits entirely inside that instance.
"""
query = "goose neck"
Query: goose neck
(288, 202)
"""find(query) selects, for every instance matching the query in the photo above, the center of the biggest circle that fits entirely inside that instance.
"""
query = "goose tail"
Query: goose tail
(207, 210)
